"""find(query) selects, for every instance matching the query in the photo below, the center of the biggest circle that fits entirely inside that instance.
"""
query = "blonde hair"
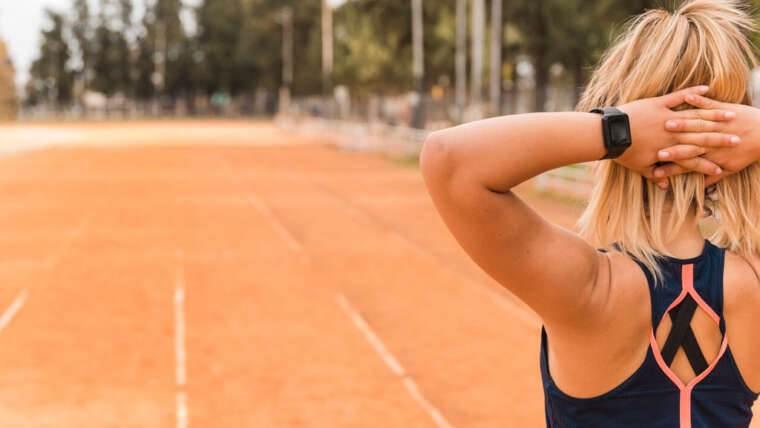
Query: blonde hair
(702, 42)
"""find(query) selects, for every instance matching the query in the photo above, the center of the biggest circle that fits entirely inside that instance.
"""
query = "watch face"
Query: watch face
(619, 132)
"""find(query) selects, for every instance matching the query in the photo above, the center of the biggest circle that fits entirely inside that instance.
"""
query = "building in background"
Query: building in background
(8, 103)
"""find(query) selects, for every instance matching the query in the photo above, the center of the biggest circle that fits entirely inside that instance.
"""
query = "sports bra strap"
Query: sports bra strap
(682, 336)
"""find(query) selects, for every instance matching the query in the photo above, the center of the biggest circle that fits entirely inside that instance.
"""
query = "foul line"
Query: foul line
(180, 355)
(280, 228)
(391, 362)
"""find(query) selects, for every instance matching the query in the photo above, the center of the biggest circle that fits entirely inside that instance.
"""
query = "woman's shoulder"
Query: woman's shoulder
(741, 310)
(741, 279)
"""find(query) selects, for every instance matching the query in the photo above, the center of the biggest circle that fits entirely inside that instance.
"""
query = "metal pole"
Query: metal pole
(478, 32)
(327, 47)
(496, 44)
(418, 67)
(159, 65)
(461, 57)
(287, 57)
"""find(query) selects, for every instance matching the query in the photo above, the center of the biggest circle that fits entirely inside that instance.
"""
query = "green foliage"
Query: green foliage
(236, 47)
(373, 42)
(50, 78)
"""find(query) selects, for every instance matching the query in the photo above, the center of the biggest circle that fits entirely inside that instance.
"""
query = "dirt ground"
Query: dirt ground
(228, 274)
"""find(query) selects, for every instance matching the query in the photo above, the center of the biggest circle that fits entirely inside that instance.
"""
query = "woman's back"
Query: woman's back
(685, 372)
(634, 354)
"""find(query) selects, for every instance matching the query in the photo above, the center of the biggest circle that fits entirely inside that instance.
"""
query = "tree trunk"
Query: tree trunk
(327, 48)
(496, 44)
(461, 57)
(540, 60)
(578, 80)
(478, 30)
(418, 66)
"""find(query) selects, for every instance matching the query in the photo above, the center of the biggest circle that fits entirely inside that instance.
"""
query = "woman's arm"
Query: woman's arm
(471, 169)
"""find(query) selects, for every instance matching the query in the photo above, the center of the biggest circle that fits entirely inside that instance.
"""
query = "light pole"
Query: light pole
(496, 43)
(286, 19)
(327, 47)
(461, 57)
(418, 66)
(478, 32)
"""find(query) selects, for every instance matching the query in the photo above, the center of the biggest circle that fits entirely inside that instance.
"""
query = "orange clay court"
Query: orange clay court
(229, 274)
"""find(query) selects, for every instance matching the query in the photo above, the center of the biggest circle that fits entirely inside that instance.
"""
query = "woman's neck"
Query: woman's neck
(688, 242)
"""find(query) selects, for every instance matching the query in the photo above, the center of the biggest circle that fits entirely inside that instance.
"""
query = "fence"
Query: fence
(572, 181)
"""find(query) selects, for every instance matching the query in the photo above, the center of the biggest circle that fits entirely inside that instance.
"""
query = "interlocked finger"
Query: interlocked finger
(701, 102)
(681, 152)
(716, 115)
(700, 165)
(707, 139)
(669, 170)
(692, 125)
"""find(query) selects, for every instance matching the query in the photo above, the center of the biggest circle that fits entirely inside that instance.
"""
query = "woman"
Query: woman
(657, 328)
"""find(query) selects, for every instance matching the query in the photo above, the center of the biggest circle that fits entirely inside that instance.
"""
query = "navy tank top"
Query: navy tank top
(653, 396)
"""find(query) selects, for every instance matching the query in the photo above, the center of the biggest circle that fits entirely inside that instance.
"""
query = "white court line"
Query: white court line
(183, 419)
(48, 264)
(280, 228)
(180, 353)
(55, 257)
(503, 302)
(15, 306)
(392, 363)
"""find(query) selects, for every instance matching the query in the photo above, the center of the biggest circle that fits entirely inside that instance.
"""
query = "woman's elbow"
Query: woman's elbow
(436, 163)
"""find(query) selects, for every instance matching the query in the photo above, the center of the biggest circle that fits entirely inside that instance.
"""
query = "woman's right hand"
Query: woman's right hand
(681, 158)
(649, 137)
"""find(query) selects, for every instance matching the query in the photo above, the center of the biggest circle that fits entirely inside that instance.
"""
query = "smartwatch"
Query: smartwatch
(616, 131)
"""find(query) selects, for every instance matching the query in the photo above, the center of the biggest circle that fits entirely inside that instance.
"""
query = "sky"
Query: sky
(22, 20)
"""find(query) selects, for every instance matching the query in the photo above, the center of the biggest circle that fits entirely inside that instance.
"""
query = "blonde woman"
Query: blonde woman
(658, 328)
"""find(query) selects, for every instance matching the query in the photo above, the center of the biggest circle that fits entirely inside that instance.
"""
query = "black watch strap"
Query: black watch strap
(616, 131)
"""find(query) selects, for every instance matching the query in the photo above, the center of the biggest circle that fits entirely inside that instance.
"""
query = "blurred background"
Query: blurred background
(424, 64)
(211, 213)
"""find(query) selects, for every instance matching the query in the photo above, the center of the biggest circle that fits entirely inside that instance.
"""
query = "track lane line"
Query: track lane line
(53, 259)
(49, 262)
(392, 362)
(13, 309)
(280, 228)
(362, 216)
(180, 350)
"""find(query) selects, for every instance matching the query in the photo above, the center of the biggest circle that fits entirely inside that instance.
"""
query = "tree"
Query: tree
(165, 37)
(373, 44)
(82, 32)
(8, 103)
(50, 79)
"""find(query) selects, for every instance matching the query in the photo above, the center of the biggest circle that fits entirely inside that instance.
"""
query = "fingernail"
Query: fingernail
(718, 171)
(671, 124)
(735, 140)
(690, 98)
(704, 88)
(659, 173)
(664, 154)
(730, 115)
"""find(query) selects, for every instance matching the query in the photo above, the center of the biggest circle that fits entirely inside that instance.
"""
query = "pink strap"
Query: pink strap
(687, 287)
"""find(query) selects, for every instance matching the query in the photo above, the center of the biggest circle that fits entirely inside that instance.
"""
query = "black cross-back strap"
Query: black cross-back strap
(681, 335)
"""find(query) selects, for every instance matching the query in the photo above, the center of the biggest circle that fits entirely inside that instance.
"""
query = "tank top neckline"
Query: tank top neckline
(705, 249)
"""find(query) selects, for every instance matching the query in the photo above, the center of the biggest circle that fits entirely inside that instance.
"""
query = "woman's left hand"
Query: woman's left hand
(681, 158)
